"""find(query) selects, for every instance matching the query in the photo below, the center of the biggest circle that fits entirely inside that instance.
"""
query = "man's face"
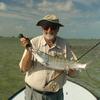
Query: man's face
(50, 32)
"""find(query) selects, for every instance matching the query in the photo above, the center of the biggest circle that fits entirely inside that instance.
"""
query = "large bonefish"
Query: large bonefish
(57, 62)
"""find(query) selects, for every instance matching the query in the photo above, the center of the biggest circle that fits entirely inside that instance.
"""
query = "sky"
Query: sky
(81, 18)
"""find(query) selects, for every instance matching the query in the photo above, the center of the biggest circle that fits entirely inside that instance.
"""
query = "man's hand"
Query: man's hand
(72, 73)
(25, 42)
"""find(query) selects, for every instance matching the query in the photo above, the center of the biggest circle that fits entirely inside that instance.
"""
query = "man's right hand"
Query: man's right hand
(25, 41)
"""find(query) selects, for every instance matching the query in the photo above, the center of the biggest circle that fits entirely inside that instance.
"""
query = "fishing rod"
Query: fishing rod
(98, 43)
(89, 50)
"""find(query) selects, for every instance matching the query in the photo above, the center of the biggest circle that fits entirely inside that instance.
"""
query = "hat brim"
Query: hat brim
(46, 22)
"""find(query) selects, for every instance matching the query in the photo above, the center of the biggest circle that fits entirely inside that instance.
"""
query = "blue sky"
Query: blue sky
(81, 18)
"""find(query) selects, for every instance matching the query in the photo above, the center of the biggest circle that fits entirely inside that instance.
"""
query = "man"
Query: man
(43, 83)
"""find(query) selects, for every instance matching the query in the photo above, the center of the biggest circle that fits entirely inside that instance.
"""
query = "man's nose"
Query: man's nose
(49, 29)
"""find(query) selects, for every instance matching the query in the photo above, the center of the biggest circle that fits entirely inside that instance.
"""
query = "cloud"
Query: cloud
(89, 4)
(67, 6)
(29, 3)
(2, 6)
(26, 3)
(15, 15)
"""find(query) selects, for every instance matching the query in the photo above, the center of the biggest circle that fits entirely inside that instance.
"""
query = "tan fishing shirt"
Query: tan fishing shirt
(38, 75)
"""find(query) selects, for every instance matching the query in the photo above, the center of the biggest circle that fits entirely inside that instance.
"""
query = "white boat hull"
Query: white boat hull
(72, 91)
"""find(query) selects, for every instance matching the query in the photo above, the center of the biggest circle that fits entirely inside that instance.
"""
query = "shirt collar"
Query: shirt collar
(56, 44)
(43, 42)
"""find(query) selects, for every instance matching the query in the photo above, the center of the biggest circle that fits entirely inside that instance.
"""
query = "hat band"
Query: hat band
(54, 21)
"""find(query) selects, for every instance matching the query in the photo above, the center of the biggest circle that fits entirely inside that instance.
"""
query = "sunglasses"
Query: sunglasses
(51, 27)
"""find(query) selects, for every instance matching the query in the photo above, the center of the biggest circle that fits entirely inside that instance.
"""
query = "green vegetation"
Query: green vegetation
(11, 79)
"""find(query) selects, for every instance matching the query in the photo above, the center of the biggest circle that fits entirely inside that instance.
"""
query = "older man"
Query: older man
(37, 75)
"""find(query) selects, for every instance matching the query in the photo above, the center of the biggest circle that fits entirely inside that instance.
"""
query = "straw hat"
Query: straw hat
(49, 19)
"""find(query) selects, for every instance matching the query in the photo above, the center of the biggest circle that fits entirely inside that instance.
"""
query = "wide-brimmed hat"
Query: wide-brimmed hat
(49, 19)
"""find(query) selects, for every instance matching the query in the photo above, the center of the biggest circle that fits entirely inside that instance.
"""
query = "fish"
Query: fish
(57, 62)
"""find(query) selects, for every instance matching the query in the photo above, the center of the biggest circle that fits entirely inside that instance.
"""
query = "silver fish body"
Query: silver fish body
(57, 62)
